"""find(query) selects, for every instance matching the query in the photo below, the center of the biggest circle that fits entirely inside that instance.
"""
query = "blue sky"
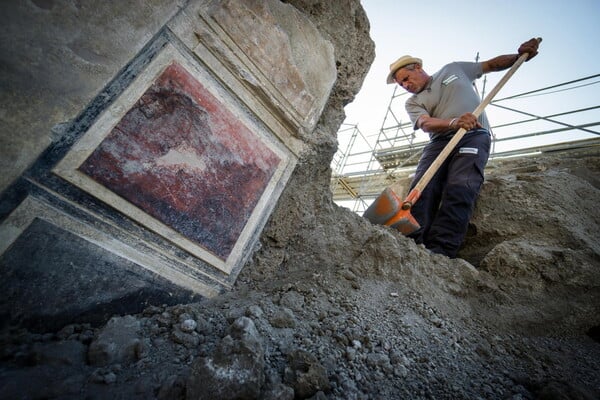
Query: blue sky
(443, 31)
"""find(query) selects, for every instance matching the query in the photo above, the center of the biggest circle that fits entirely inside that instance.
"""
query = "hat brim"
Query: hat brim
(400, 63)
(390, 77)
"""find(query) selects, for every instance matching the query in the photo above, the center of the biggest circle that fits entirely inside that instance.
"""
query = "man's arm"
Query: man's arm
(429, 124)
(468, 121)
(506, 61)
(433, 125)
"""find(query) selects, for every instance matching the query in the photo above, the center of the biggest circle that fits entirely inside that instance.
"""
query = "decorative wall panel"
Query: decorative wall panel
(179, 155)
(159, 189)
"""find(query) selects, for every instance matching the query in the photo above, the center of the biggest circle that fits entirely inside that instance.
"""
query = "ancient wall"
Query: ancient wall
(146, 144)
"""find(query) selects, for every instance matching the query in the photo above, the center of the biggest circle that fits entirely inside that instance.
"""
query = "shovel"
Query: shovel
(388, 209)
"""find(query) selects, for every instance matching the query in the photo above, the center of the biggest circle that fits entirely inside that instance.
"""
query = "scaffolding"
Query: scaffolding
(366, 164)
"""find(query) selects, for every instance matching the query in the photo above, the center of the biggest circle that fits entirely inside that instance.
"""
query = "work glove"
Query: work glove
(531, 47)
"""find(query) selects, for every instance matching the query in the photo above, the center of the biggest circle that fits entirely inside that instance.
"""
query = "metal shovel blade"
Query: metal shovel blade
(387, 209)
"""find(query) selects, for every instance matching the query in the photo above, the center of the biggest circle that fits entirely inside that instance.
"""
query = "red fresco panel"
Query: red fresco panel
(181, 156)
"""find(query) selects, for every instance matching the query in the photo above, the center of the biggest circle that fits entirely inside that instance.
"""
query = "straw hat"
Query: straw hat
(399, 63)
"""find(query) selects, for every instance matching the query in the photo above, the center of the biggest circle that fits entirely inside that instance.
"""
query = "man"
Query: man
(440, 105)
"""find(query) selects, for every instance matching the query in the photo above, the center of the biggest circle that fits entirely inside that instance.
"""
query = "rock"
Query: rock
(236, 368)
(283, 318)
(378, 360)
(254, 311)
(110, 378)
(305, 374)
(117, 342)
(292, 300)
(401, 371)
(188, 325)
(188, 339)
(350, 353)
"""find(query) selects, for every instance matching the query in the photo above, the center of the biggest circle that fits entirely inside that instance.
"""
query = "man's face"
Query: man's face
(412, 81)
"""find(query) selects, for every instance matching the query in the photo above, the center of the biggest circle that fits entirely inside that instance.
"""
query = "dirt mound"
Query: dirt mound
(536, 231)
(333, 307)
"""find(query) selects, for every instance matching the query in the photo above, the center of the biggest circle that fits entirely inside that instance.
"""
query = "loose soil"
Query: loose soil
(333, 307)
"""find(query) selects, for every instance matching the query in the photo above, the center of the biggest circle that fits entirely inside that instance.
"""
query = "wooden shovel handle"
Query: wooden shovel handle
(461, 132)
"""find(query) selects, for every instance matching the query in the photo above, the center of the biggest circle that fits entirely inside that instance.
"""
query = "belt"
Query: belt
(449, 136)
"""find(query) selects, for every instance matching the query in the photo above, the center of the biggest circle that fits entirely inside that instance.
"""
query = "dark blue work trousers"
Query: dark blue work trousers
(447, 202)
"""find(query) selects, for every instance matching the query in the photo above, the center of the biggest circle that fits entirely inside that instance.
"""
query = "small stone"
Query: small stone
(401, 371)
(110, 378)
(283, 318)
(350, 353)
(254, 311)
(188, 325)
(377, 360)
(189, 340)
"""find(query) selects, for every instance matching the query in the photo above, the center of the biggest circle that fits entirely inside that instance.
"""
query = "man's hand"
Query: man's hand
(530, 47)
(467, 121)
